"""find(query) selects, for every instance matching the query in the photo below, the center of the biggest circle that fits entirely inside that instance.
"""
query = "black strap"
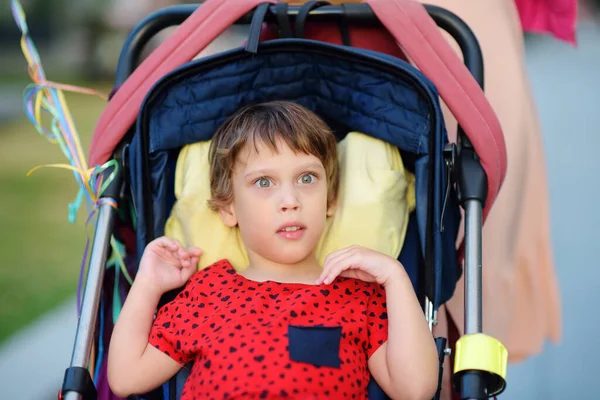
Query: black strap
(303, 15)
(344, 29)
(312, 5)
(256, 27)
(284, 27)
(283, 22)
(173, 388)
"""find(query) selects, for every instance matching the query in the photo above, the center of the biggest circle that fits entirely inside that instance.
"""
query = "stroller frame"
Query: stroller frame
(462, 162)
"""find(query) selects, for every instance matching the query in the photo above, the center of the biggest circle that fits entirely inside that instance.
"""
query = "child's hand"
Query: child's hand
(360, 263)
(167, 265)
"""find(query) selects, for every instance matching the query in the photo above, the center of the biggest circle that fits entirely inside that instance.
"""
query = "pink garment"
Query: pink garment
(556, 17)
(521, 302)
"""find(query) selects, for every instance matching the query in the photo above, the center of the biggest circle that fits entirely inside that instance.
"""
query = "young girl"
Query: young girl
(285, 327)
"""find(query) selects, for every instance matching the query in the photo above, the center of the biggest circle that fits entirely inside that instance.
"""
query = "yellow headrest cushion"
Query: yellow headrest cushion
(375, 198)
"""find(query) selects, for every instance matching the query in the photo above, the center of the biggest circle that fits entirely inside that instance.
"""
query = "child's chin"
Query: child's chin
(289, 256)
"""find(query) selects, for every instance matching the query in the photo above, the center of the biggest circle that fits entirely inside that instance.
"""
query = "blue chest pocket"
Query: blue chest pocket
(317, 345)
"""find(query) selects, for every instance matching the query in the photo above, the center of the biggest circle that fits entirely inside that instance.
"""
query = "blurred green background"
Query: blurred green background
(41, 251)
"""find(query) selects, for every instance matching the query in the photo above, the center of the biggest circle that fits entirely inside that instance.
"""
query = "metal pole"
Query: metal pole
(91, 295)
(473, 267)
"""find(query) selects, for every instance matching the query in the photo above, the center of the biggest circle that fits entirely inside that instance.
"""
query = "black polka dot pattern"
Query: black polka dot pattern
(236, 332)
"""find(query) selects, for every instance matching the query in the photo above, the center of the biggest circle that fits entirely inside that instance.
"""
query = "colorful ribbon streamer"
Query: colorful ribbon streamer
(46, 97)
(43, 96)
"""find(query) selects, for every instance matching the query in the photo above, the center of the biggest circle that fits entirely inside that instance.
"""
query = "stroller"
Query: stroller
(351, 63)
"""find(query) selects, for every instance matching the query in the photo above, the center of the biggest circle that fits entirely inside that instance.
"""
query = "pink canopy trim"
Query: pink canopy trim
(201, 28)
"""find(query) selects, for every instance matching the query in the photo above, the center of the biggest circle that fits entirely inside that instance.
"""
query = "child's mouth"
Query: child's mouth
(292, 232)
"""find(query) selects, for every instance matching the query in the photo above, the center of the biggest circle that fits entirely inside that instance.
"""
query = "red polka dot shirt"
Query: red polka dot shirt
(271, 340)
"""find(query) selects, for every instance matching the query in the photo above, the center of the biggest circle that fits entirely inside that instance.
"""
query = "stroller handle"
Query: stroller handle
(361, 14)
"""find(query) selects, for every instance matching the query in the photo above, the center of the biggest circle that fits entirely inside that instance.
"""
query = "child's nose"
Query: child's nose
(290, 206)
(290, 202)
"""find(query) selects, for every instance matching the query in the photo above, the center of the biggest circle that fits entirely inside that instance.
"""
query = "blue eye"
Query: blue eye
(307, 178)
(263, 183)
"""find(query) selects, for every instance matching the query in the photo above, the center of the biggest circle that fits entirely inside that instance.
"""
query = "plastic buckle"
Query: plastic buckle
(449, 153)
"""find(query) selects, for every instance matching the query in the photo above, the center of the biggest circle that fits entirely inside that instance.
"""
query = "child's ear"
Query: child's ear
(227, 213)
(331, 208)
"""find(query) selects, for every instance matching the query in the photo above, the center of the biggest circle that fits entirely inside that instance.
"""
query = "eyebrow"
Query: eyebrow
(266, 171)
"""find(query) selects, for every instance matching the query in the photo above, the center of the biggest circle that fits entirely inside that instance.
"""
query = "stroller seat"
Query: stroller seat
(350, 89)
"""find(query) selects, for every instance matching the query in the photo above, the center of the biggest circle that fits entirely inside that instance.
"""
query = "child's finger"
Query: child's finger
(191, 262)
(173, 243)
(328, 274)
(186, 273)
(165, 243)
(194, 261)
(344, 262)
(183, 255)
(333, 273)
(348, 273)
(330, 257)
(194, 251)
(332, 262)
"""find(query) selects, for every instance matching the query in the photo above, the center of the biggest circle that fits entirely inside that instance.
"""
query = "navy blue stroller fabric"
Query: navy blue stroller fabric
(351, 89)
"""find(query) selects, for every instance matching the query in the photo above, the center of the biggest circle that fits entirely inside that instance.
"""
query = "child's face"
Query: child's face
(279, 203)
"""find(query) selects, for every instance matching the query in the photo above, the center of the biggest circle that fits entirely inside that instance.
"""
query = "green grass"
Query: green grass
(40, 250)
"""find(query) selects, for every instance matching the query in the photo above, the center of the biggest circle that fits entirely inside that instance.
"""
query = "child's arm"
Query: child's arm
(406, 365)
(135, 366)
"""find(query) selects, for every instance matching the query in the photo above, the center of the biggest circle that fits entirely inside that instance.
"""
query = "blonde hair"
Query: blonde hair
(301, 129)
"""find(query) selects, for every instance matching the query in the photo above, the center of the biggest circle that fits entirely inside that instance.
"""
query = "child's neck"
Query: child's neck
(260, 269)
